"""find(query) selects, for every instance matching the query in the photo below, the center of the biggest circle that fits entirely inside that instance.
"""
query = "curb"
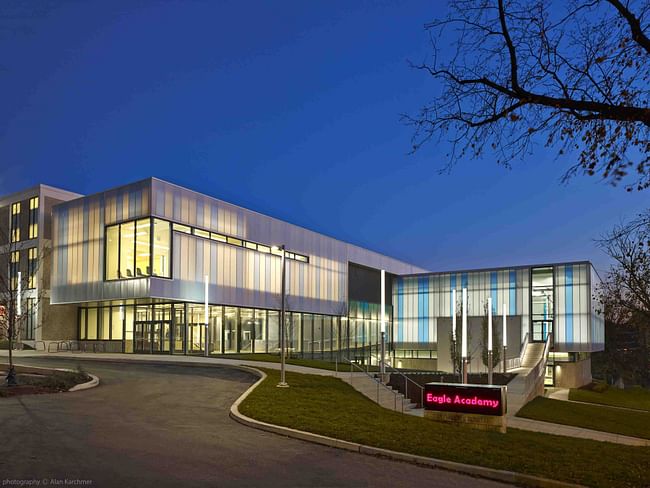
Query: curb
(88, 384)
(479, 471)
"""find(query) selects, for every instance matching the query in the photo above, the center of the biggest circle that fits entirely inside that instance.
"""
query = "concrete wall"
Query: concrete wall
(422, 364)
(573, 375)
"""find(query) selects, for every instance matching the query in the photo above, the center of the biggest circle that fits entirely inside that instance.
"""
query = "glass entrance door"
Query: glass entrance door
(151, 337)
(142, 338)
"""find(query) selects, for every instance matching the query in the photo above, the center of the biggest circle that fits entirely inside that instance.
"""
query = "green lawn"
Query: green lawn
(328, 406)
(596, 417)
(636, 397)
(309, 363)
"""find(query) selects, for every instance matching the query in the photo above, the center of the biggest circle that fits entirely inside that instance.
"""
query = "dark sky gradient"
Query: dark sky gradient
(288, 108)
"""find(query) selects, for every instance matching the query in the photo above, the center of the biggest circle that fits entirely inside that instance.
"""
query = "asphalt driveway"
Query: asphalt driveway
(166, 425)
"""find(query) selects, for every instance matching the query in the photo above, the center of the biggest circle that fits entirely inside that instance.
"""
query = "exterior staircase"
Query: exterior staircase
(380, 393)
(529, 382)
(532, 355)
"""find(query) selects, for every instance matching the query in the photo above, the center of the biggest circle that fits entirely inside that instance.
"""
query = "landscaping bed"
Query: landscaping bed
(595, 417)
(330, 407)
(34, 383)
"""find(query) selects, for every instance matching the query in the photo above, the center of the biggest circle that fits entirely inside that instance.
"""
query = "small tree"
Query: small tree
(624, 299)
(496, 341)
(15, 316)
(455, 347)
(625, 292)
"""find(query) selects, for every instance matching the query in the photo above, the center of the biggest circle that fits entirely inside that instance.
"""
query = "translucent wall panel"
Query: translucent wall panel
(419, 301)
(574, 326)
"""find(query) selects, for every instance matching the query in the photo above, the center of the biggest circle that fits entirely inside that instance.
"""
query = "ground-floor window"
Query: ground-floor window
(30, 325)
(179, 328)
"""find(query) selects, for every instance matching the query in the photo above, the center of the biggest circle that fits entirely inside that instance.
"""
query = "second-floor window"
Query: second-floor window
(33, 218)
(137, 249)
(15, 222)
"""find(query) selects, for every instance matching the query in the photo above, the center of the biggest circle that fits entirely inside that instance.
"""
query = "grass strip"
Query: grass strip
(635, 397)
(596, 417)
(328, 406)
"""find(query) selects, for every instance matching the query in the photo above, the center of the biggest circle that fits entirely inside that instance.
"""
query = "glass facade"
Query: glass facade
(542, 303)
(179, 328)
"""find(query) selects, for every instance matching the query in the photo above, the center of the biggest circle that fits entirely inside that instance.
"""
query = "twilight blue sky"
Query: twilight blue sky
(289, 108)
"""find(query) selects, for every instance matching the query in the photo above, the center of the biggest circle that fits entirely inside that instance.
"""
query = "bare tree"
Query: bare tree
(625, 292)
(574, 75)
(13, 288)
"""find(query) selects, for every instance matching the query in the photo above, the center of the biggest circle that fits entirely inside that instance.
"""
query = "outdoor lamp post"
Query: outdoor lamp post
(382, 365)
(206, 315)
(489, 332)
(453, 329)
(505, 338)
(283, 383)
(464, 338)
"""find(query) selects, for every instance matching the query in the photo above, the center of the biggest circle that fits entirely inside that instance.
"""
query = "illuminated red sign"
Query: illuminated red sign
(480, 399)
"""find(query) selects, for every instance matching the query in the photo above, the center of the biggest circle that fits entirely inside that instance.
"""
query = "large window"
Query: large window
(15, 222)
(13, 269)
(161, 248)
(542, 303)
(112, 250)
(32, 266)
(127, 250)
(31, 319)
(33, 218)
(129, 246)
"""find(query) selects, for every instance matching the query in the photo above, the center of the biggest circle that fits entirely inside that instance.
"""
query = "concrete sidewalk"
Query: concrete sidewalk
(514, 422)
(570, 431)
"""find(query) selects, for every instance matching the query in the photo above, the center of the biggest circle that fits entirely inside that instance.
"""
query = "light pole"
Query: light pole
(489, 332)
(283, 383)
(464, 338)
(206, 315)
(382, 365)
(454, 358)
(505, 338)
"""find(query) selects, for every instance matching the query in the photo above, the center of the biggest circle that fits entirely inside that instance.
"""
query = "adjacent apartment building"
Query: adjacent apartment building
(131, 268)
(25, 264)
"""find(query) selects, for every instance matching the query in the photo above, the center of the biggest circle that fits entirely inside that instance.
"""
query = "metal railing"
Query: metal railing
(406, 380)
(514, 363)
(397, 397)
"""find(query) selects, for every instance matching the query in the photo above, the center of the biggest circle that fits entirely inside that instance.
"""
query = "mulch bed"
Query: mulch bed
(38, 384)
